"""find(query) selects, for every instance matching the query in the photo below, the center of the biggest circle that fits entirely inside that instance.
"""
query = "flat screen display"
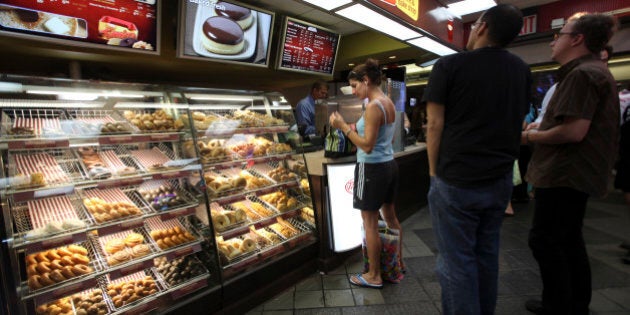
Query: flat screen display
(120, 24)
(307, 47)
(225, 32)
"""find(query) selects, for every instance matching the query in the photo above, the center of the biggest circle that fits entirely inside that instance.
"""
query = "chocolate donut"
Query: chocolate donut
(27, 16)
(240, 15)
(127, 42)
(222, 36)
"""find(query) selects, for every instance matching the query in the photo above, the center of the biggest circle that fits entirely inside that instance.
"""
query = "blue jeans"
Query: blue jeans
(466, 223)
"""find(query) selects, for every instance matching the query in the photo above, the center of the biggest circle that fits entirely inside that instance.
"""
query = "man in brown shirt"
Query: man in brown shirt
(574, 151)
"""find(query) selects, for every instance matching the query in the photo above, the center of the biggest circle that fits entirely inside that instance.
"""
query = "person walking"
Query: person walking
(575, 148)
(376, 171)
(476, 102)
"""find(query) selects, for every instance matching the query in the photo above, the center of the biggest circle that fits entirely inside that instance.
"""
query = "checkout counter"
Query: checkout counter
(331, 180)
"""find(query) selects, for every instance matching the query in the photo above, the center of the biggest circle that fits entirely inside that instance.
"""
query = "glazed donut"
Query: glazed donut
(168, 242)
(78, 249)
(80, 259)
(31, 260)
(56, 264)
(31, 270)
(43, 267)
(160, 244)
(220, 221)
(67, 261)
(57, 276)
(34, 282)
(45, 279)
(81, 270)
(67, 272)
(248, 245)
(188, 236)
(41, 257)
(63, 251)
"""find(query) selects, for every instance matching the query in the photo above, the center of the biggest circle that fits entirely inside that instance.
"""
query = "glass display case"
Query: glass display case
(111, 189)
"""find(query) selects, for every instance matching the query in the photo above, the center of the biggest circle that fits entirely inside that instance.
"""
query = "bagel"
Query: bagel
(220, 221)
(80, 259)
(78, 249)
(67, 272)
(45, 279)
(248, 245)
(34, 282)
(57, 276)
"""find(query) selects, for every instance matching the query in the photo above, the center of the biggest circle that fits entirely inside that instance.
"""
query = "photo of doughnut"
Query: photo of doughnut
(42, 22)
(225, 31)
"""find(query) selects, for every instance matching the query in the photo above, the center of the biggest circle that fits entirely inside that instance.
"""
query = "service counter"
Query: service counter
(413, 188)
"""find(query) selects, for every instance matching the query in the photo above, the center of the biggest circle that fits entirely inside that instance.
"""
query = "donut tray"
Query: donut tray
(155, 223)
(36, 214)
(235, 258)
(103, 240)
(266, 212)
(115, 158)
(301, 201)
(94, 264)
(112, 195)
(218, 191)
(185, 198)
(58, 166)
(32, 123)
(191, 261)
(148, 116)
(148, 274)
(217, 209)
(94, 122)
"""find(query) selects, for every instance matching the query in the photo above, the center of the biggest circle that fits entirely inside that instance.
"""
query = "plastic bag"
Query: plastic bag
(390, 240)
(337, 145)
(516, 175)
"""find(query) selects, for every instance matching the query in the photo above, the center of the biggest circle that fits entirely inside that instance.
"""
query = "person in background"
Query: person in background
(476, 102)
(376, 171)
(575, 149)
(305, 109)
(622, 178)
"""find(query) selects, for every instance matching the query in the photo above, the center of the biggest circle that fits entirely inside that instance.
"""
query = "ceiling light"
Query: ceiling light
(328, 4)
(470, 6)
(10, 87)
(392, 57)
(432, 46)
(371, 19)
(351, 65)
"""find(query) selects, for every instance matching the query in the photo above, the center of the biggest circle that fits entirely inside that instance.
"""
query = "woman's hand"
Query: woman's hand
(336, 120)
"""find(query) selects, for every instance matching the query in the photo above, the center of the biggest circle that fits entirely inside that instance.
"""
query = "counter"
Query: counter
(413, 188)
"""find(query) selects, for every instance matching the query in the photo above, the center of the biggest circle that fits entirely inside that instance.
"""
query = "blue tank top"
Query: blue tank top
(383, 150)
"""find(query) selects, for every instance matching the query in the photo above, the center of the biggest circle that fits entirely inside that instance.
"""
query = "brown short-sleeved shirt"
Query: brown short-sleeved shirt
(587, 90)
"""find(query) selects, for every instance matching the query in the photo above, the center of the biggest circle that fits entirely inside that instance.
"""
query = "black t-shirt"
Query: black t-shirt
(486, 94)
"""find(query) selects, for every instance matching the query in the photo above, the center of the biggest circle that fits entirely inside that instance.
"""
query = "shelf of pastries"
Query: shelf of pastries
(156, 119)
(88, 302)
(125, 252)
(228, 122)
(32, 127)
(54, 273)
(110, 165)
(173, 238)
(41, 172)
(135, 293)
(159, 161)
(46, 223)
(168, 198)
(93, 123)
(182, 275)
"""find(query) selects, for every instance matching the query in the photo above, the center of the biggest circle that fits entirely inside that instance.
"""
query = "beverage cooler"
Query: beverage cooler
(133, 198)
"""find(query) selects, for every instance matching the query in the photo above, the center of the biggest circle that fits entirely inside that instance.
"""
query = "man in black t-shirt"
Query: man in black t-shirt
(476, 102)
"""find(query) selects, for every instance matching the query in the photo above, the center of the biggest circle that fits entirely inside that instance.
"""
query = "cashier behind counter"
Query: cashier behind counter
(305, 110)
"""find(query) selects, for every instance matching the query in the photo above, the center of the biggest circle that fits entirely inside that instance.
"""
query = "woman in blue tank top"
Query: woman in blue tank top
(376, 172)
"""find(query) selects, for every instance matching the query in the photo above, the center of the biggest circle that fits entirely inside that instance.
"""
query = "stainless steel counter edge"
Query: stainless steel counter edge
(315, 161)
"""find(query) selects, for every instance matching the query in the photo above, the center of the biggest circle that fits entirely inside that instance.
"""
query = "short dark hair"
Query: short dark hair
(609, 51)
(597, 29)
(504, 22)
(318, 85)
(370, 69)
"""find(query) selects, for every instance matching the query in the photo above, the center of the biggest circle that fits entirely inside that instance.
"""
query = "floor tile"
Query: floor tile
(341, 270)
(284, 312)
(620, 296)
(336, 282)
(365, 310)
(283, 301)
(319, 311)
(336, 298)
(424, 308)
(309, 299)
(311, 283)
(366, 296)
(408, 290)
(601, 303)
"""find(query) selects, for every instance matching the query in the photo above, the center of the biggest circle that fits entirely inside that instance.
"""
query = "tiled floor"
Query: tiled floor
(607, 224)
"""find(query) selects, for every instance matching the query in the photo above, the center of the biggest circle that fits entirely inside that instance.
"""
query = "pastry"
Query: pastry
(248, 245)
(220, 221)
(118, 257)
(81, 270)
(140, 250)
(53, 227)
(78, 249)
(222, 36)
(134, 239)
(242, 16)
(80, 259)
(114, 245)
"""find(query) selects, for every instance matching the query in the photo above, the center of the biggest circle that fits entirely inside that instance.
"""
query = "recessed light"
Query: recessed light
(351, 65)
(392, 57)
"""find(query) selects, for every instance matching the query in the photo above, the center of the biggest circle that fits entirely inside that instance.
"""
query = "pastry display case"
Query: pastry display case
(140, 198)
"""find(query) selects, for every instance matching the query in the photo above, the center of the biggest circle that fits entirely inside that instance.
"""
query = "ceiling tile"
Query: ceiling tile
(320, 18)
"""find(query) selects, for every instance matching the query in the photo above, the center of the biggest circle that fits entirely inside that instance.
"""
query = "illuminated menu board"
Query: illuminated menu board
(125, 24)
(306, 47)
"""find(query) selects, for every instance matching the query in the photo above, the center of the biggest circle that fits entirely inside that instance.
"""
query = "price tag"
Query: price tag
(184, 251)
(189, 288)
(36, 144)
(65, 291)
(23, 196)
(120, 139)
(170, 175)
(164, 137)
(131, 269)
(120, 182)
(144, 308)
(177, 213)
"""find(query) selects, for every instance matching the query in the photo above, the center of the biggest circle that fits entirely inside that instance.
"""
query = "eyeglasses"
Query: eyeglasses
(558, 34)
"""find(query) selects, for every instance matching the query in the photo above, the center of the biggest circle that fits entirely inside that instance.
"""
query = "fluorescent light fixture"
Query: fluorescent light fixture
(470, 6)
(432, 46)
(71, 94)
(373, 20)
(328, 4)
(429, 63)
(218, 97)
(149, 105)
(10, 87)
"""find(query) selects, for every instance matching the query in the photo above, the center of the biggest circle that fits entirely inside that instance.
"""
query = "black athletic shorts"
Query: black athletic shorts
(374, 185)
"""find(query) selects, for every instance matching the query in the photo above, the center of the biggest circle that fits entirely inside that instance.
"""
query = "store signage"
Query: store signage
(306, 47)
(529, 25)
(121, 24)
(344, 221)
(224, 31)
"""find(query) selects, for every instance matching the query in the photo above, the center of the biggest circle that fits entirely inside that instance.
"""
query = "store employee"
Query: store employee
(305, 110)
